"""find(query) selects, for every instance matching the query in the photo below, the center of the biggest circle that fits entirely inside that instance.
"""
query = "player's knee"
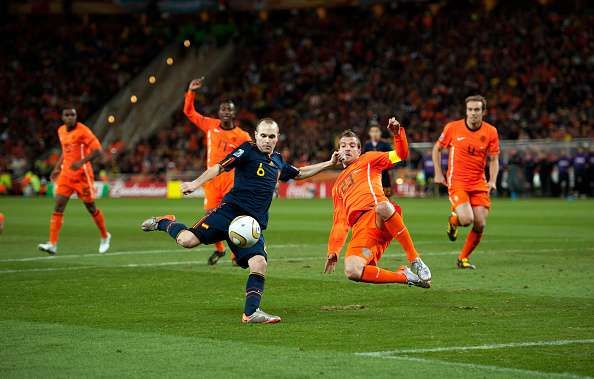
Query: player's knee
(465, 219)
(479, 226)
(187, 239)
(385, 209)
(353, 271)
(258, 264)
(91, 208)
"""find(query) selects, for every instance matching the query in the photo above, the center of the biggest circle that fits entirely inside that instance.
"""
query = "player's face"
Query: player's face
(227, 112)
(350, 148)
(266, 137)
(375, 134)
(69, 117)
(474, 112)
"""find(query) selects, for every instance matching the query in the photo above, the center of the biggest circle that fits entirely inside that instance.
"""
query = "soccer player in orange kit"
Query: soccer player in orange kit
(361, 205)
(222, 137)
(470, 141)
(74, 174)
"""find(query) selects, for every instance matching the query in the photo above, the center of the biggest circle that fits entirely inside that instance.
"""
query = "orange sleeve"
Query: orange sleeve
(203, 123)
(446, 136)
(493, 147)
(340, 229)
(401, 144)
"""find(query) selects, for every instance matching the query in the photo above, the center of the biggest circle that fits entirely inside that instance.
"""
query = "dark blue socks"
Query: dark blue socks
(253, 293)
(173, 228)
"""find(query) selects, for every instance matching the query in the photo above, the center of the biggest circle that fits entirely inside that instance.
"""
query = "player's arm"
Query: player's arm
(493, 171)
(89, 158)
(57, 168)
(399, 139)
(189, 187)
(231, 161)
(202, 122)
(337, 238)
(436, 158)
(311, 170)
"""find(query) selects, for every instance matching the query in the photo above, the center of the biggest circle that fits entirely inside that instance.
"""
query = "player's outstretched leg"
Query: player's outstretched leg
(252, 314)
(393, 222)
(357, 269)
(178, 231)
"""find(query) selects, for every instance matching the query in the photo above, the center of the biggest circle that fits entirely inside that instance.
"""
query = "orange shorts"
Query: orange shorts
(82, 185)
(368, 241)
(475, 198)
(216, 189)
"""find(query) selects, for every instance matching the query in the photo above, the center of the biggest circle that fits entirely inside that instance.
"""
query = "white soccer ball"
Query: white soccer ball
(244, 231)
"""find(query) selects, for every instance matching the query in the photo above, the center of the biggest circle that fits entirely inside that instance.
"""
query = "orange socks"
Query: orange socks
(373, 274)
(219, 246)
(55, 225)
(396, 227)
(100, 222)
(472, 241)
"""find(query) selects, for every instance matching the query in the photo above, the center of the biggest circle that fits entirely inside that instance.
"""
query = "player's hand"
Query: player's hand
(76, 165)
(492, 186)
(440, 179)
(196, 84)
(188, 187)
(336, 158)
(394, 126)
(330, 265)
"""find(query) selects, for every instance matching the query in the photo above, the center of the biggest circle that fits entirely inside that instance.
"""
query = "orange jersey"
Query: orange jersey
(468, 154)
(76, 145)
(358, 189)
(219, 142)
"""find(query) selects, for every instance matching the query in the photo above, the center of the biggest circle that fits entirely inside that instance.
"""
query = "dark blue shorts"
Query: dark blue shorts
(214, 228)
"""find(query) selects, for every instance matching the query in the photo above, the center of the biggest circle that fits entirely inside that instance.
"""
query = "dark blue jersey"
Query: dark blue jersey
(256, 175)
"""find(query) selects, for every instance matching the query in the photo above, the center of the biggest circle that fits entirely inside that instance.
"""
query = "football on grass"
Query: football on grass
(244, 231)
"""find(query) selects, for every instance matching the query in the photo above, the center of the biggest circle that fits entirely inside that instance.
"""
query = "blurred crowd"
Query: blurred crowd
(318, 72)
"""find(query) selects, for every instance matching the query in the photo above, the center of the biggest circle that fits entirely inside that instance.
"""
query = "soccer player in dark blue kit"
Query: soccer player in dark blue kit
(257, 169)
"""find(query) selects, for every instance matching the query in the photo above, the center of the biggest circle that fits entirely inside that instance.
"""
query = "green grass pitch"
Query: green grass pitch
(150, 308)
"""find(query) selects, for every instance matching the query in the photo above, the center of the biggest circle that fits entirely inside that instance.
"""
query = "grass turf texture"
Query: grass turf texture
(151, 308)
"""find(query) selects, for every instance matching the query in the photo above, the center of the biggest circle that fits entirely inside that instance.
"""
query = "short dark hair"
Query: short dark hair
(350, 134)
(477, 98)
(68, 107)
(267, 120)
(227, 101)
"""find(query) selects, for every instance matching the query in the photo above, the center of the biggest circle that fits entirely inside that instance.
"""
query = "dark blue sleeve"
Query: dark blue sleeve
(288, 172)
(236, 157)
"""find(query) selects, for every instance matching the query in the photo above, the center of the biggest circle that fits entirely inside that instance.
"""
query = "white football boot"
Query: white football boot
(413, 279)
(260, 317)
(420, 268)
(104, 244)
(48, 247)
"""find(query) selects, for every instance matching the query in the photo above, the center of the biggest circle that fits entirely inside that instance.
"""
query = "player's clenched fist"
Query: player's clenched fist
(394, 126)
(188, 187)
(196, 84)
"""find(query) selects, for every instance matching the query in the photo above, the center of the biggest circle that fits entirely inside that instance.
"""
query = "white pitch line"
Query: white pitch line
(204, 248)
(130, 265)
(509, 370)
(477, 347)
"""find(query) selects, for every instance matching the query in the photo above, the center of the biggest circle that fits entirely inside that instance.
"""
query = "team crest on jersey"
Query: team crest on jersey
(238, 153)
